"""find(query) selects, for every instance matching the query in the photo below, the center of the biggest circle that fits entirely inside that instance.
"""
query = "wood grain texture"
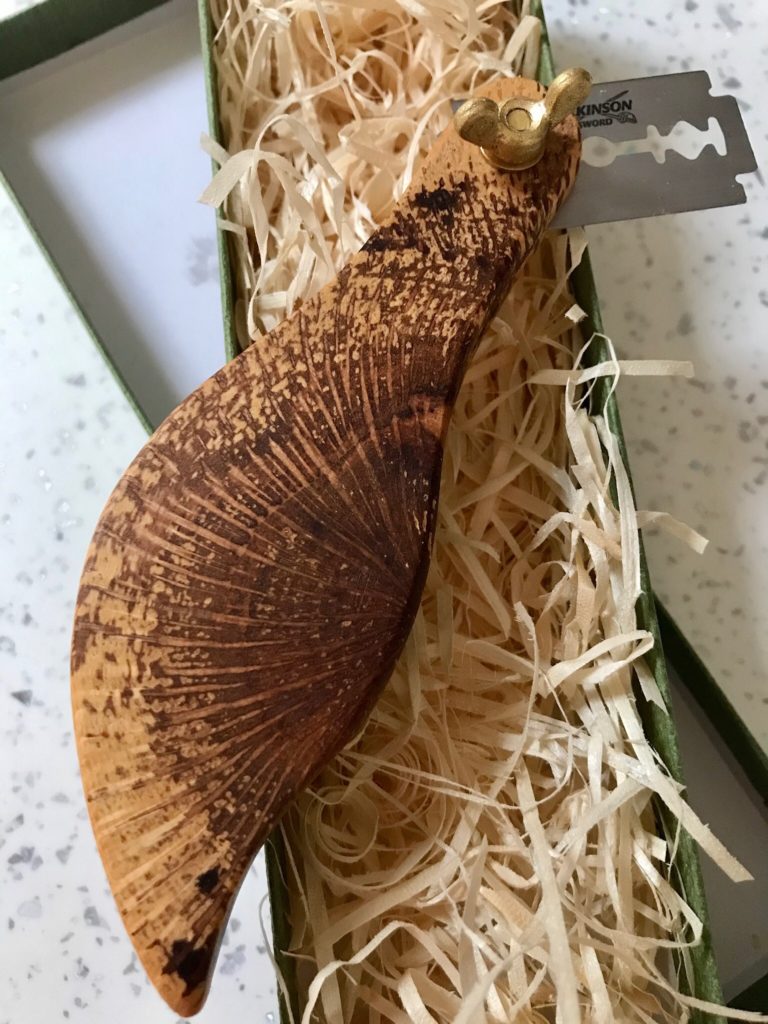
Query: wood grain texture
(257, 569)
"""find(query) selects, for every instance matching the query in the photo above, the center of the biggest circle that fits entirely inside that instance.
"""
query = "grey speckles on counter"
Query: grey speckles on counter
(202, 260)
(66, 432)
(698, 448)
(725, 14)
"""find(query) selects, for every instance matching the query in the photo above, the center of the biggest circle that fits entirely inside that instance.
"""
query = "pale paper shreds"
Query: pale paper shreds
(485, 851)
(326, 109)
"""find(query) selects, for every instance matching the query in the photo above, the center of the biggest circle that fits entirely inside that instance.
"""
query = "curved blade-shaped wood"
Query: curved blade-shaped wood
(256, 571)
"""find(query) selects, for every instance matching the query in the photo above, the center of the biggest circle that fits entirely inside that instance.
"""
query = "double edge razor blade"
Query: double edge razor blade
(630, 167)
(631, 121)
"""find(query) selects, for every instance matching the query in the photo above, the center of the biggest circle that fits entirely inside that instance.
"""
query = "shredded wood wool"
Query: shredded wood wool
(486, 849)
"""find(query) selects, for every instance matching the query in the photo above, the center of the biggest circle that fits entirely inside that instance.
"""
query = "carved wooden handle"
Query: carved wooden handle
(257, 569)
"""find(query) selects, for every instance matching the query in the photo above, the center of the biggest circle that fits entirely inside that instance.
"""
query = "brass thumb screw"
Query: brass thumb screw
(512, 136)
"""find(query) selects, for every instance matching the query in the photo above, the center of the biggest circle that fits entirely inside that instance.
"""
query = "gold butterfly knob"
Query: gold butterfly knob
(512, 136)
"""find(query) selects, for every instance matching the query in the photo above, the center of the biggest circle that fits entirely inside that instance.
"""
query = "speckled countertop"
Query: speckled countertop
(695, 286)
(66, 434)
(692, 287)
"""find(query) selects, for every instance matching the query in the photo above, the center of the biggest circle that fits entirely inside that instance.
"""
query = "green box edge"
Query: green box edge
(52, 27)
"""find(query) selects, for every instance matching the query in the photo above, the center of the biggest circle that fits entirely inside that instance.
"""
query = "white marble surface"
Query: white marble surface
(695, 286)
(66, 433)
(682, 287)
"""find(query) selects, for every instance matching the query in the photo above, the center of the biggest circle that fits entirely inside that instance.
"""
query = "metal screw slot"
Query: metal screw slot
(513, 136)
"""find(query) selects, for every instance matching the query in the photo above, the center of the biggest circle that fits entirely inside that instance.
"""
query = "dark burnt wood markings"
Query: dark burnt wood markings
(256, 571)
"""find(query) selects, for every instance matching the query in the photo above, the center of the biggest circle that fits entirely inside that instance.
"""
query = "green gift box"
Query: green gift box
(54, 26)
